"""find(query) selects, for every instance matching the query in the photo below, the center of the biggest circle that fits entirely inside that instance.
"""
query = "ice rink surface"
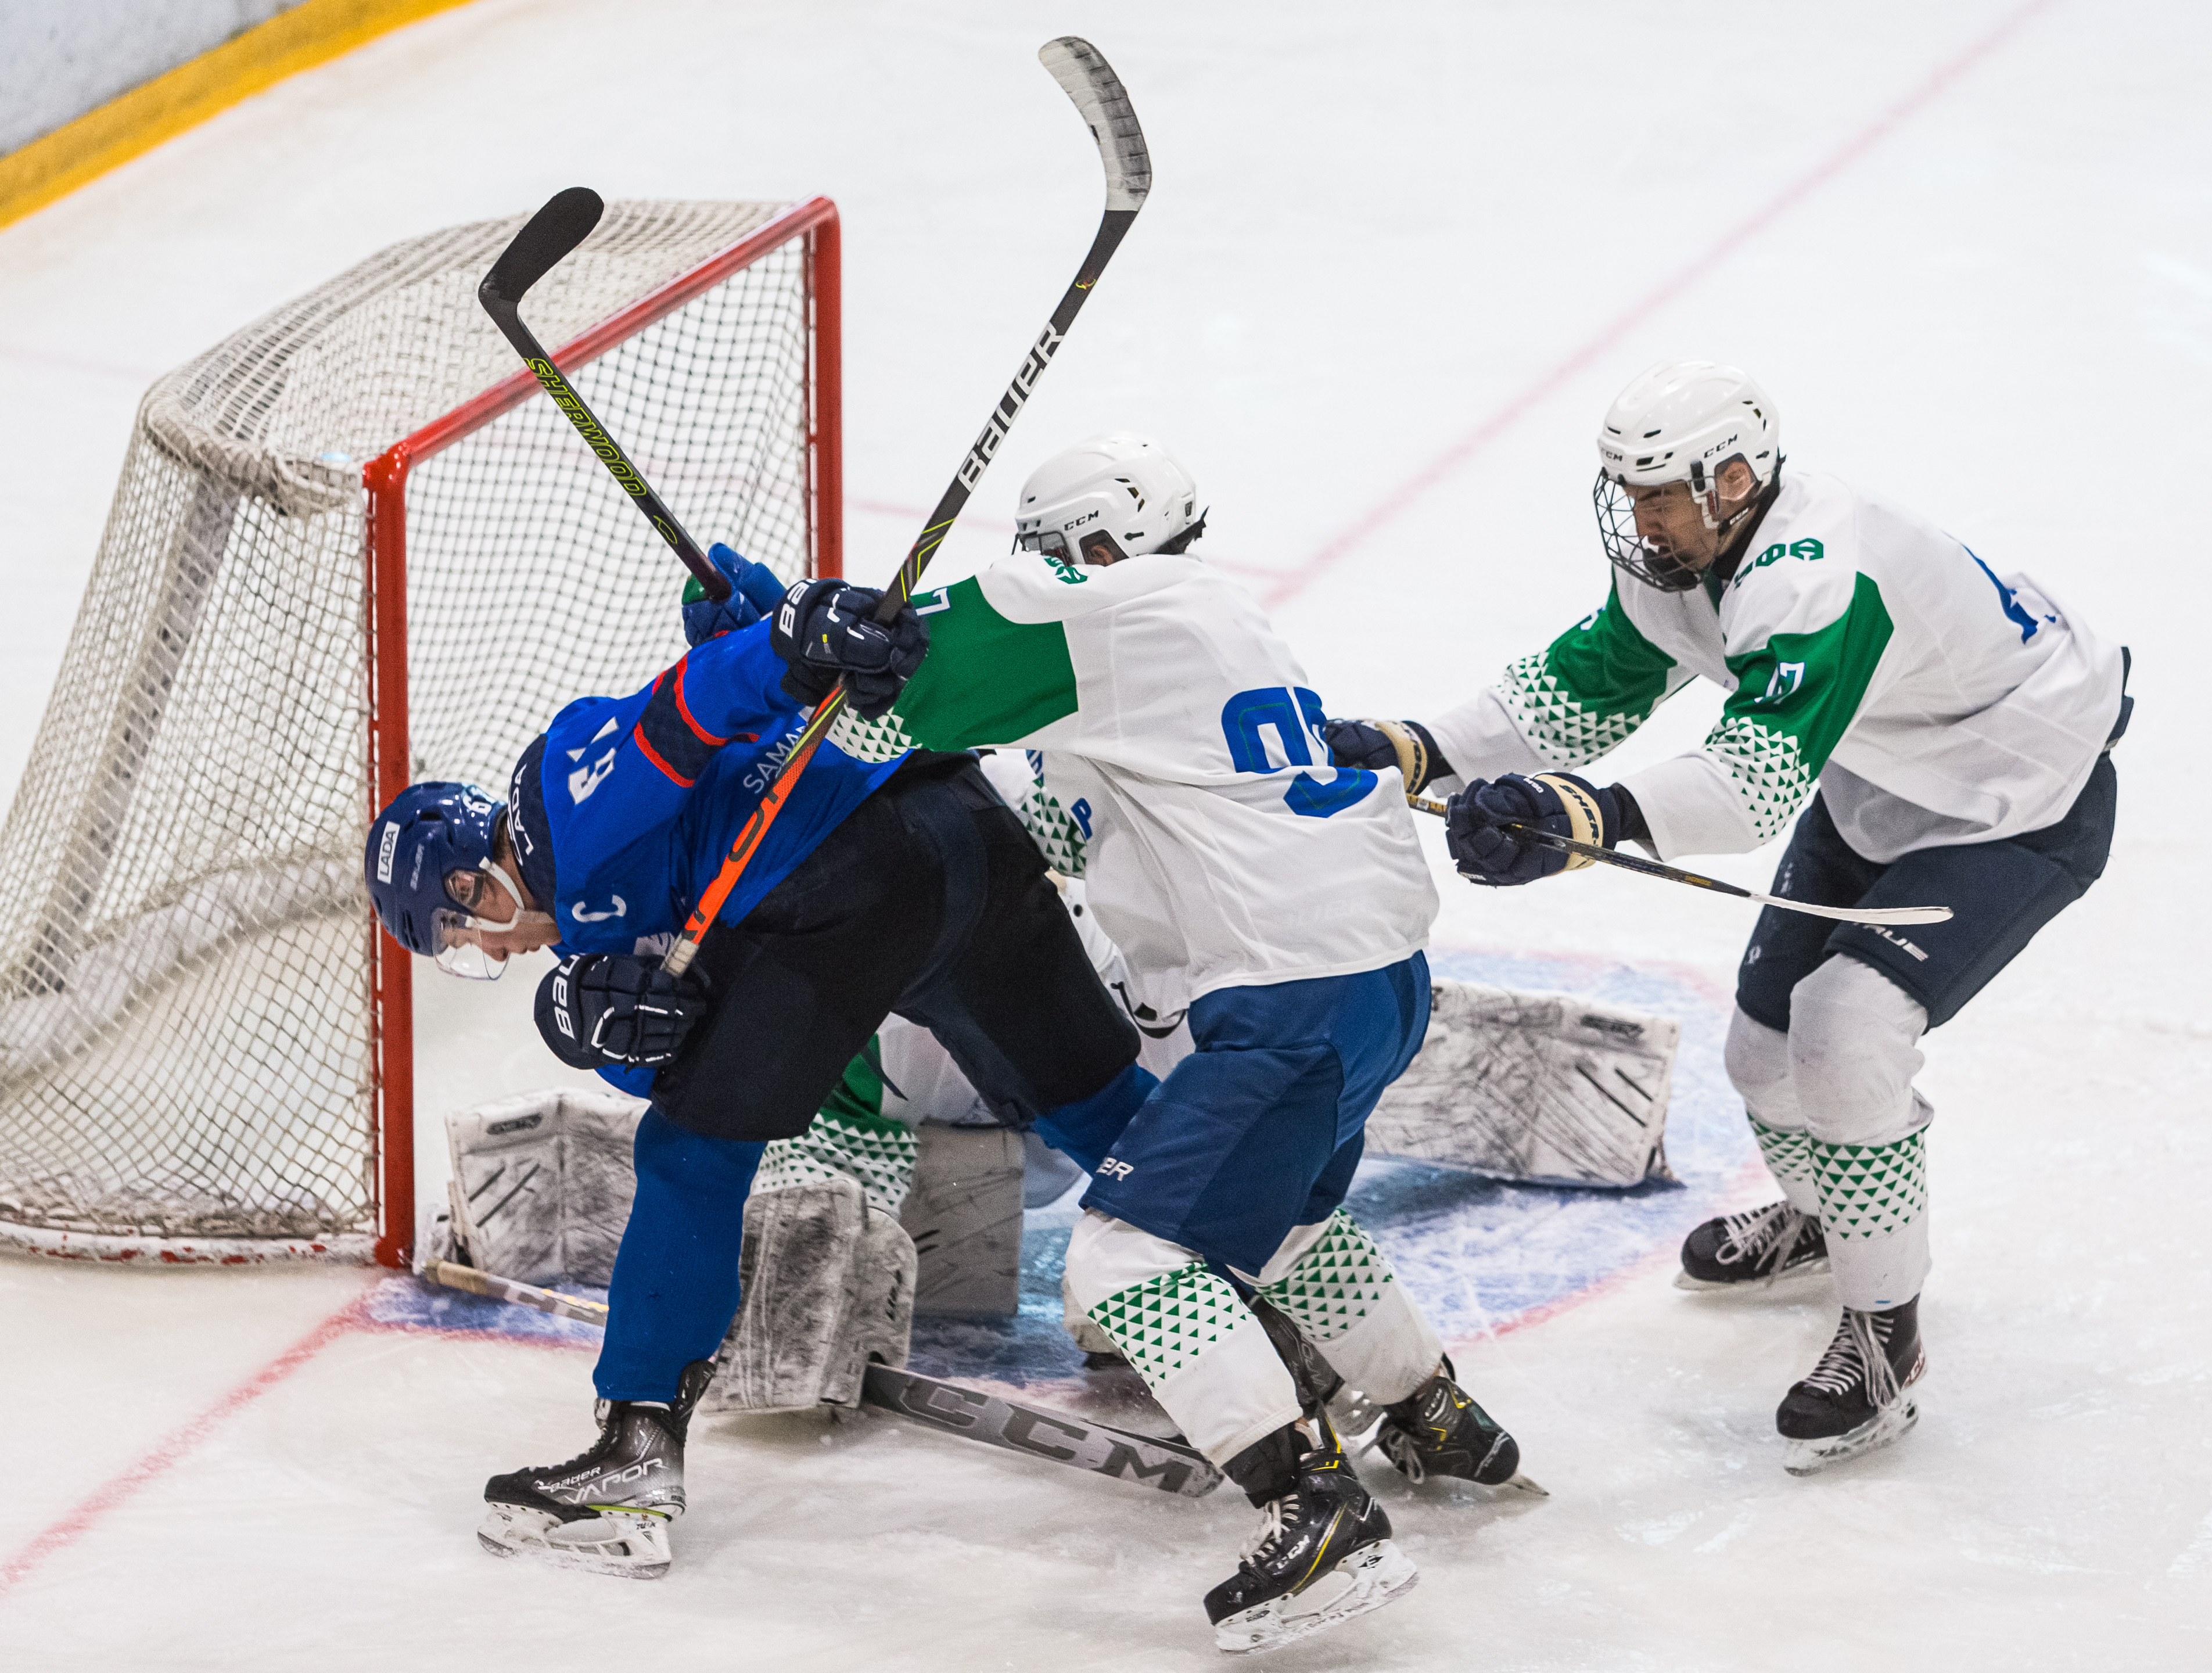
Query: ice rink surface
(1399, 256)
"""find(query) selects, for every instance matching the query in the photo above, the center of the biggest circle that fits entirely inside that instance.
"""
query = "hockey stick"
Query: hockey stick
(1100, 1448)
(1087, 79)
(1629, 862)
(565, 221)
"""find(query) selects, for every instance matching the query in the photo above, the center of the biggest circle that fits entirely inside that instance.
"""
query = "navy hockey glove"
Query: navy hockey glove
(754, 591)
(1560, 803)
(600, 1008)
(824, 629)
(1371, 746)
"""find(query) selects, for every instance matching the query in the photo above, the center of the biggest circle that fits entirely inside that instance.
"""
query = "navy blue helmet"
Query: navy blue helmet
(430, 831)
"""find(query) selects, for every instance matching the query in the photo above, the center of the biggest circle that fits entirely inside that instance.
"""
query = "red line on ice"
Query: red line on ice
(1432, 474)
(173, 1448)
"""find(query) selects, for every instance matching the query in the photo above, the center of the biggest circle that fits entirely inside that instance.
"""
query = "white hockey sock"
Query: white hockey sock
(1204, 1356)
(877, 1152)
(1334, 1282)
(1758, 1068)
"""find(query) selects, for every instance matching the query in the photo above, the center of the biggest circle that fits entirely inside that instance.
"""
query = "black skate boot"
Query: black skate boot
(1439, 1430)
(606, 1510)
(1855, 1399)
(1323, 1552)
(1756, 1247)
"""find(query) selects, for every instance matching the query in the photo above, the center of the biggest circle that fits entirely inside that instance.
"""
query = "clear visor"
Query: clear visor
(453, 934)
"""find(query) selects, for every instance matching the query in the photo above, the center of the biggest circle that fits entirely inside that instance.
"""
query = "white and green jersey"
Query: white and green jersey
(1933, 700)
(1185, 776)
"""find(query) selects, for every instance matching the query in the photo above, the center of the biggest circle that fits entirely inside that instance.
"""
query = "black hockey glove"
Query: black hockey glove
(1371, 746)
(754, 591)
(1560, 803)
(607, 1007)
(824, 629)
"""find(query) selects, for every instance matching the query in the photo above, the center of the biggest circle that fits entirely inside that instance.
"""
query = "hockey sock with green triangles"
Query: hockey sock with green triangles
(1335, 1283)
(1206, 1358)
(1873, 1209)
(1789, 1157)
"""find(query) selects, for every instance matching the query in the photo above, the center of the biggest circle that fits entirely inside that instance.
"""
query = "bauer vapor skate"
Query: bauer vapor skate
(1321, 1554)
(1439, 1430)
(607, 1510)
(1854, 1400)
(1754, 1248)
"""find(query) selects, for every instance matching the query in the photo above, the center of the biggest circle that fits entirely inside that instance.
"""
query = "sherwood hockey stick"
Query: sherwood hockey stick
(565, 221)
(1086, 77)
(1629, 862)
(1100, 1448)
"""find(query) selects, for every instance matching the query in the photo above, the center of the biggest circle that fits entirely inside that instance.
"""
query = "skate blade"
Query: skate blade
(1818, 1266)
(628, 1544)
(1367, 1579)
(1810, 1457)
(1522, 1484)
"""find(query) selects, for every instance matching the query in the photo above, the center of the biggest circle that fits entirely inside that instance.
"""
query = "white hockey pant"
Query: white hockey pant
(1844, 1131)
(1205, 1357)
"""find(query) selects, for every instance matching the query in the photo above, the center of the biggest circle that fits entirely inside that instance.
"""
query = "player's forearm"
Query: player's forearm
(1693, 804)
(1479, 739)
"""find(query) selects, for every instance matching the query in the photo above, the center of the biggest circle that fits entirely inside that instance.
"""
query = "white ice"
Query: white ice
(1400, 255)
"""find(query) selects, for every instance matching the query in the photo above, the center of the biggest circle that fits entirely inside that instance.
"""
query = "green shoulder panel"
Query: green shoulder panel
(986, 681)
(1796, 697)
(1590, 688)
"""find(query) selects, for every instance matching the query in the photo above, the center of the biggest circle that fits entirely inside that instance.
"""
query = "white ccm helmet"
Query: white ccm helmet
(1126, 489)
(1682, 420)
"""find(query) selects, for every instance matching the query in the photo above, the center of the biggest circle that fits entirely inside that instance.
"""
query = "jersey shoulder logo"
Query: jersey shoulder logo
(1809, 549)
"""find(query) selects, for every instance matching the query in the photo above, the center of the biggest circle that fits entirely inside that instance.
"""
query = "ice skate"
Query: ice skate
(1752, 1247)
(1854, 1401)
(1321, 1554)
(606, 1510)
(1439, 1430)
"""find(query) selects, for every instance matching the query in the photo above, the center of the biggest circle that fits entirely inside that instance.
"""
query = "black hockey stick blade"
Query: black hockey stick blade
(1100, 1448)
(548, 238)
(1085, 76)
(565, 221)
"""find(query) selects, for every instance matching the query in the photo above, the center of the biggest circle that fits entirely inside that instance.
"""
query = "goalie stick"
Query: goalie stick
(1087, 79)
(1629, 862)
(1011, 1425)
(549, 237)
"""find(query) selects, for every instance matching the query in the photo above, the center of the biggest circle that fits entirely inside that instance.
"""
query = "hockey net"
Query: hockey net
(349, 550)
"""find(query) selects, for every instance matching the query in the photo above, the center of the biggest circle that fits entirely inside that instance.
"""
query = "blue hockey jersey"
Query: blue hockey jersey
(622, 811)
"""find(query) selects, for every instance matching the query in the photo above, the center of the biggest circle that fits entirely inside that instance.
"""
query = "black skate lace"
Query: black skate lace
(1859, 1354)
(1761, 1236)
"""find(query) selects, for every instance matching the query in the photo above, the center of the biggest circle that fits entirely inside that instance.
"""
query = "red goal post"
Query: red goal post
(385, 480)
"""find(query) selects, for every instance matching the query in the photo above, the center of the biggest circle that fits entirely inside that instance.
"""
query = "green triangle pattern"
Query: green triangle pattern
(871, 741)
(874, 1151)
(1165, 1323)
(1332, 1286)
(1870, 1191)
(1768, 769)
(1553, 719)
(1788, 1155)
(1053, 830)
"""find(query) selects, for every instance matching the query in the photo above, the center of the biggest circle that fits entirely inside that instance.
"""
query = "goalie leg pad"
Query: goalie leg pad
(825, 1284)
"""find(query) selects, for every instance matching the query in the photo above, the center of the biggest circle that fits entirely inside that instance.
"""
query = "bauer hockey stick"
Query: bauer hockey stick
(1086, 77)
(1629, 862)
(545, 242)
(1100, 1448)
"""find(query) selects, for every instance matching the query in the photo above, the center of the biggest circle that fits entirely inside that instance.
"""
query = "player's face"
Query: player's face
(1669, 521)
(486, 897)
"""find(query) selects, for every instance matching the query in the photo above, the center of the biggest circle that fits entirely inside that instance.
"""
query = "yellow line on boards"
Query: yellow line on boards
(56, 164)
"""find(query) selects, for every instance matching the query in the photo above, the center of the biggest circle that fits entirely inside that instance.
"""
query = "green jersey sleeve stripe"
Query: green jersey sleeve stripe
(1590, 688)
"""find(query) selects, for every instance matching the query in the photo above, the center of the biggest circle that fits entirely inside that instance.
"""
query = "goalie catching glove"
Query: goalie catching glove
(1372, 745)
(824, 629)
(600, 1008)
(1486, 851)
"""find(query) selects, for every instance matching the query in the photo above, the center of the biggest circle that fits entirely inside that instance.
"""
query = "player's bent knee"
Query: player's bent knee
(1758, 1061)
(1854, 1048)
(1106, 1255)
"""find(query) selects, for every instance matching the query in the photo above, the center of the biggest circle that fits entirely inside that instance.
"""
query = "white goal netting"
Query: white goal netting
(186, 1041)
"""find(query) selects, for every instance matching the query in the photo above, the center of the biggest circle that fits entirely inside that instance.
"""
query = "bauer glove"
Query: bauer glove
(824, 629)
(1560, 803)
(1372, 745)
(602, 1009)
(754, 591)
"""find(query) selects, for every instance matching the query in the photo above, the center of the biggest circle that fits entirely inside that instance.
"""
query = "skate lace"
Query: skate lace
(1275, 1517)
(1761, 1236)
(1859, 1354)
